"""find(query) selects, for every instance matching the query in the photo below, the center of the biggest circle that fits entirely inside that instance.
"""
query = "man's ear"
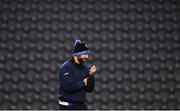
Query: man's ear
(76, 59)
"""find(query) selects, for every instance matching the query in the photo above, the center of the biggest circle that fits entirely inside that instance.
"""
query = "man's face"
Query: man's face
(83, 58)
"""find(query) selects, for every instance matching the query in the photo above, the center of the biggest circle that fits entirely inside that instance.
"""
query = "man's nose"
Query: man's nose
(86, 56)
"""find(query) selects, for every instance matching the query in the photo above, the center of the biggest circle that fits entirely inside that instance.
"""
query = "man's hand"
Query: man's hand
(92, 70)
(85, 81)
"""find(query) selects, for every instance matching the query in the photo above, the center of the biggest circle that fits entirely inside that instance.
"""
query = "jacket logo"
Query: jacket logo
(66, 73)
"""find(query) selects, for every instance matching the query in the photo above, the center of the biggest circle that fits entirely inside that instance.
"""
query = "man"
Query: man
(75, 79)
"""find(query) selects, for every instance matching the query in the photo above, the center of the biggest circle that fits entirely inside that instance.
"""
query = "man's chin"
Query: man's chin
(83, 62)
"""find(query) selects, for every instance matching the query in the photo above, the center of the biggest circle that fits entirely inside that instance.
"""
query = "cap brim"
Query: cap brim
(82, 52)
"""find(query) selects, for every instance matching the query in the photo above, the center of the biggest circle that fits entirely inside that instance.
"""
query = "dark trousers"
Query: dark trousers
(74, 107)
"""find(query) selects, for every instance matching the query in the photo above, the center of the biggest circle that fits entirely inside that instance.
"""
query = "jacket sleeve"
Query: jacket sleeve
(90, 84)
(67, 81)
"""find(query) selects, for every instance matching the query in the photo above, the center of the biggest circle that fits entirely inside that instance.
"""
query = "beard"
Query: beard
(82, 60)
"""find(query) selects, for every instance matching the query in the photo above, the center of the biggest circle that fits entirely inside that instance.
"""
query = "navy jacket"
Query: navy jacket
(71, 85)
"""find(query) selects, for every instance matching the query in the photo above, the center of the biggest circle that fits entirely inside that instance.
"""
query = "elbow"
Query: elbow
(90, 89)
